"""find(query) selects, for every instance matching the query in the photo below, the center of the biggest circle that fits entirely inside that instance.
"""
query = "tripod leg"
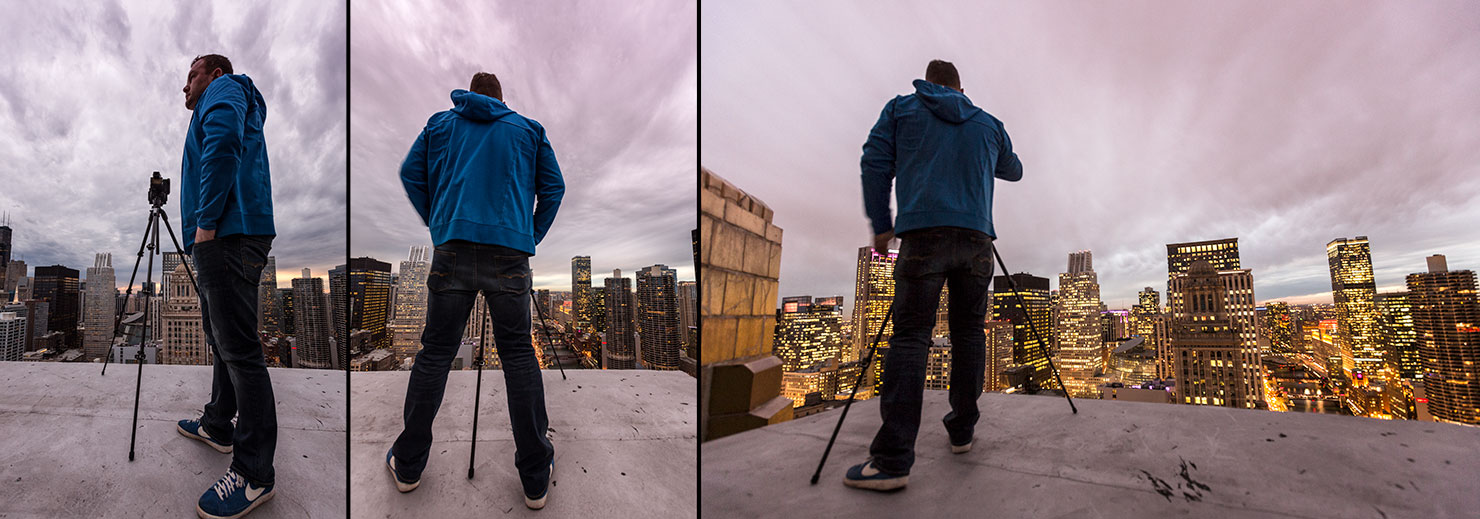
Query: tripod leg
(1033, 328)
(858, 382)
(144, 337)
(178, 249)
(119, 321)
(546, 326)
(478, 389)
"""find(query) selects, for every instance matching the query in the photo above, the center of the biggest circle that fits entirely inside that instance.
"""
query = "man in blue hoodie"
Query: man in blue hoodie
(942, 154)
(485, 180)
(226, 223)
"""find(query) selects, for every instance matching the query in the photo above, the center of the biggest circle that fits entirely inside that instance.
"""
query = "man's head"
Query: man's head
(486, 84)
(203, 70)
(943, 73)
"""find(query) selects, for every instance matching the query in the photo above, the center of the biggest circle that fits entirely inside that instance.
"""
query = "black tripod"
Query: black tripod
(478, 387)
(159, 191)
(874, 348)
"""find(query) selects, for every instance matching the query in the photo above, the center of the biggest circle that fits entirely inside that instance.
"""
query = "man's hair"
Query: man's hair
(213, 62)
(486, 84)
(942, 73)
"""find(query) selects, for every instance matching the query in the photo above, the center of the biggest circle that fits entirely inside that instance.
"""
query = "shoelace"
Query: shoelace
(228, 484)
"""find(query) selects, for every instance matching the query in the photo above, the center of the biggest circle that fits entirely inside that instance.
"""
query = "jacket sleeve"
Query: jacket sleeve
(878, 171)
(1009, 168)
(549, 188)
(222, 123)
(414, 178)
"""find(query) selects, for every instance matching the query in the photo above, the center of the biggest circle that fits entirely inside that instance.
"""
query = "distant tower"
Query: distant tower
(657, 303)
(620, 351)
(58, 286)
(182, 330)
(411, 303)
(873, 292)
(12, 336)
(337, 304)
(1080, 346)
(1446, 320)
(1355, 292)
(1211, 363)
(267, 303)
(1027, 348)
(311, 323)
(580, 292)
(807, 334)
(1396, 314)
(100, 303)
(370, 298)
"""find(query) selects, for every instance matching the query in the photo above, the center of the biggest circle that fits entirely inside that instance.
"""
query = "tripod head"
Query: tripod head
(159, 190)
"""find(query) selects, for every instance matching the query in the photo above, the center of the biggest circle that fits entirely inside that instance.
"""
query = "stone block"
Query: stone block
(744, 218)
(707, 225)
(738, 288)
(727, 249)
(773, 263)
(757, 256)
(763, 302)
(712, 287)
(748, 337)
(774, 411)
(773, 233)
(740, 386)
(711, 203)
(769, 324)
(717, 340)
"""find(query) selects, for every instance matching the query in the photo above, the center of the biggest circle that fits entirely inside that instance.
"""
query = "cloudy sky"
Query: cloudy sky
(1138, 124)
(614, 84)
(91, 103)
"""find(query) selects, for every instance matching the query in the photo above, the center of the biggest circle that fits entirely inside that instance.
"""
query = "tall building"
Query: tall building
(411, 303)
(58, 286)
(1211, 362)
(1355, 292)
(598, 311)
(688, 309)
(1281, 327)
(1221, 254)
(1446, 319)
(1030, 326)
(999, 354)
(370, 298)
(1079, 353)
(873, 292)
(807, 333)
(580, 290)
(1396, 313)
(268, 314)
(5, 234)
(183, 331)
(98, 311)
(620, 350)
(285, 305)
(657, 304)
(311, 323)
(15, 271)
(338, 300)
(13, 331)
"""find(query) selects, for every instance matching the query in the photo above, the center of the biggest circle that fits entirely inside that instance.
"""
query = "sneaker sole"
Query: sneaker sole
(403, 487)
(223, 449)
(962, 449)
(878, 484)
(536, 504)
(260, 499)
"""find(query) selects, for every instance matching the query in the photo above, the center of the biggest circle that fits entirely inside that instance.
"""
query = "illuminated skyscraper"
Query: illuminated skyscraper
(580, 290)
(1396, 311)
(1221, 254)
(183, 330)
(98, 309)
(369, 293)
(620, 350)
(268, 313)
(12, 334)
(311, 323)
(1446, 319)
(657, 296)
(999, 354)
(873, 292)
(285, 304)
(598, 311)
(1280, 326)
(338, 313)
(1355, 292)
(807, 333)
(1027, 347)
(1211, 362)
(58, 286)
(411, 303)
(1079, 354)
(688, 309)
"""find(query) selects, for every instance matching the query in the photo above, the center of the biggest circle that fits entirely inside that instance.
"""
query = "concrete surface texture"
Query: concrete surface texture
(625, 446)
(1033, 458)
(65, 430)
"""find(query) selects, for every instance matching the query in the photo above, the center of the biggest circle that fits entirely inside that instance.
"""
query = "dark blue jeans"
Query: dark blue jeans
(460, 270)
(230, 269)
(928, 259)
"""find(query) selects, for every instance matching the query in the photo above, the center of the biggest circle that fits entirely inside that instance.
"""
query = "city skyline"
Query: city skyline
(1134, 123)
(76, 173)
(615, 88)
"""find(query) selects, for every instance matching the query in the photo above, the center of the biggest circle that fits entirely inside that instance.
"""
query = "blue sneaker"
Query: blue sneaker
(538, 502)
(192, 429)
(865, 475)
(401, 484)
(231, 497)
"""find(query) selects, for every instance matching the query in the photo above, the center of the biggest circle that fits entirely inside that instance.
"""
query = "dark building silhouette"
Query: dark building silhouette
(59, 286)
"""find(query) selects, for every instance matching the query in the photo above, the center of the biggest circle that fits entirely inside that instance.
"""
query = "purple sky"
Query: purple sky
(90, 104)
(1138, 124)
(614, 84)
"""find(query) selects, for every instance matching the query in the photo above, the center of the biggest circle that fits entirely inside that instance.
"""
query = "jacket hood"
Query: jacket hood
(253, 94)
(946, 103)
(478, 107)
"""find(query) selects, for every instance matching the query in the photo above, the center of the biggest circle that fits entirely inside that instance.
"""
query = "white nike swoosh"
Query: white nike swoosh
(869, 470)
(253, 493)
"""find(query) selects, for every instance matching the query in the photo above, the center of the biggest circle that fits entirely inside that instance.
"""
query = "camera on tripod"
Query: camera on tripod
(159, 190)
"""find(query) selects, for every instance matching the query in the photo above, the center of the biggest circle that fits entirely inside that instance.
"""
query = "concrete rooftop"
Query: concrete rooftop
(1113, 459)
(66, 435)
(625, 446)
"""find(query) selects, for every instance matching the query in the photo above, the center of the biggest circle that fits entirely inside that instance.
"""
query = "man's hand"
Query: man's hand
(202, 235)
(881, 241)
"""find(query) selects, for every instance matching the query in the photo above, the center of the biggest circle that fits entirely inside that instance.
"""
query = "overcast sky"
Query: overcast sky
(91, 103)
(1138, 124)
(614, 84)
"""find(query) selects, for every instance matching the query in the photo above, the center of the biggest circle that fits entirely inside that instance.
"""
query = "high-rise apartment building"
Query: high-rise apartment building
(807, 333)
(1401, 354)
(657, 304)
(1080, 348)
(13, 331)
(620, 350)
(311, 323)
(1446, 320)
(873, 292)
(580, 290)
(410, 303)
(98, 310)
(370, 299)
(1030, 325)
(1280, 327)
(1354, 291)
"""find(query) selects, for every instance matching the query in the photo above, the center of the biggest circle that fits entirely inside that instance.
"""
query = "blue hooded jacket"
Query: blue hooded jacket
(476, 171)
(943, 153)
(225, 184)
